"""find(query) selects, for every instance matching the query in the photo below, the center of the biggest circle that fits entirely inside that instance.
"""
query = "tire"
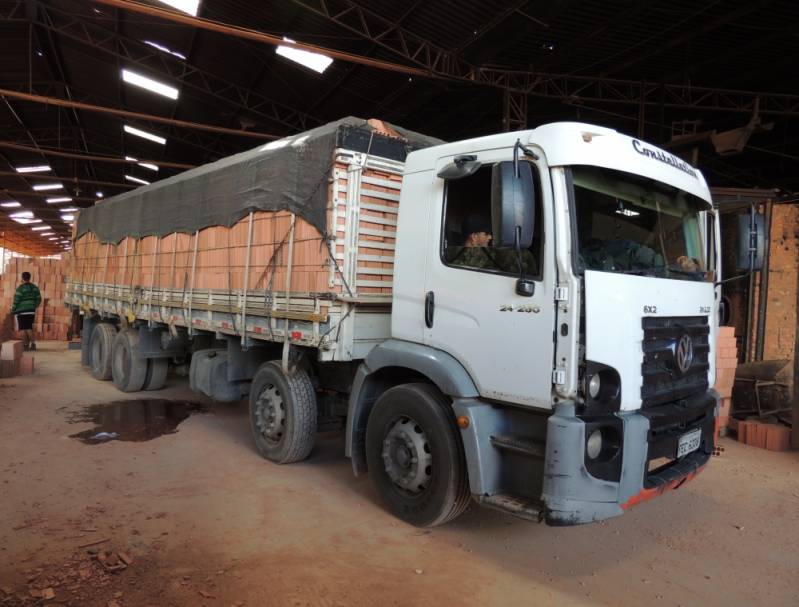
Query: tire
(128, 370)
(282, 413)
(412, 425)
(101, 346)
(157, 369)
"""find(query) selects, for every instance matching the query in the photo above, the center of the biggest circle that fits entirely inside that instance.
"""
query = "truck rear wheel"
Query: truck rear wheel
(157, 369)
(282, 413)
(415, 455)
(101, 347)
(128, 370)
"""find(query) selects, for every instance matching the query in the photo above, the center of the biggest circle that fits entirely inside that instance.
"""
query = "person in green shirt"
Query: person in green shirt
(26, 299)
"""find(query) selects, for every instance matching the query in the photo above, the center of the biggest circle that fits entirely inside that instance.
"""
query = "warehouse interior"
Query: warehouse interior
(165, 500)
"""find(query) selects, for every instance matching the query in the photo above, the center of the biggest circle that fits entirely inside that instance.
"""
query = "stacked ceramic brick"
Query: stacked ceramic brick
(166, 262)
(52, 318)
(13, 361)
(726, 363)
(774, 437)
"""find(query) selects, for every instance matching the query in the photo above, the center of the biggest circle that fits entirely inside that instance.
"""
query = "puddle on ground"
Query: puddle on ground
(132, 420)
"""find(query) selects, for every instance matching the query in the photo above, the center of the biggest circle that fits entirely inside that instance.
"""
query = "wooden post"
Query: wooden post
(286, 337)
(246, 286)
(795, 412)
(189, 322)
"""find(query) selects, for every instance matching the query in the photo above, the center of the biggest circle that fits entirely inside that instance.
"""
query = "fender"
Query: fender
(418, 361)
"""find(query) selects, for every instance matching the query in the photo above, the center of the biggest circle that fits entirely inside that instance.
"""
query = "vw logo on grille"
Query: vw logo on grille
(684, 356)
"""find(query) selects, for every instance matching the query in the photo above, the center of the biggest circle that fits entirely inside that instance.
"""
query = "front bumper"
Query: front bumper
(573, 495)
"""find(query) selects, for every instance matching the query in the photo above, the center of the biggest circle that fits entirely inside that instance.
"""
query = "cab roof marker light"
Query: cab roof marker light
(44, 187)
(187, 6)
(164, 49)
(38, 168)
(154, 86)
(132, 130)
(315, 61)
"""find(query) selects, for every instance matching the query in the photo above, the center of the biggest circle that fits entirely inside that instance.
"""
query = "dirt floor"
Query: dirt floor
(198, 518)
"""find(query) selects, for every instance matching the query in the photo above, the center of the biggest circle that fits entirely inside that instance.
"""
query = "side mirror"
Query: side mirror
(460, 167)
(512, 205)
(751, 241)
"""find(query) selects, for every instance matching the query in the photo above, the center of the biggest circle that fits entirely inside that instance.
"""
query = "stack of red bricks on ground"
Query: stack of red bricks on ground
(726, 363)
(774, 437)
(52, 318)
(13, 361)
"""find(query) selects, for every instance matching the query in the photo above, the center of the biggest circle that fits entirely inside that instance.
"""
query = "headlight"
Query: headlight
(594, 384)
(593, 446)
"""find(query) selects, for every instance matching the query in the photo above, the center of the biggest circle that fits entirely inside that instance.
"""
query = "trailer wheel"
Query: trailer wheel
(157, 369)
(101, 347)
(128, 370)
(282, 413)
(415, 455)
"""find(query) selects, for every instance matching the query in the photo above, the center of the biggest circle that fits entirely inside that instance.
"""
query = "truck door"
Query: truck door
(504, 340)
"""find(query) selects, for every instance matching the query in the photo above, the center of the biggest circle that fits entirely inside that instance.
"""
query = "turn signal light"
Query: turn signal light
(463, 422)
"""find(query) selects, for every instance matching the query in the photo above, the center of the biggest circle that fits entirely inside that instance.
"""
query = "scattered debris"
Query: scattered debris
(94, 543)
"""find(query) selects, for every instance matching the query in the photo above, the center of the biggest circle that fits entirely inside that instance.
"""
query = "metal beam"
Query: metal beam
(135, 52)
(96, 158)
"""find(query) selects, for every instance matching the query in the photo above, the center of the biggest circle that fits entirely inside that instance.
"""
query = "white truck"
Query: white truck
(547, 348)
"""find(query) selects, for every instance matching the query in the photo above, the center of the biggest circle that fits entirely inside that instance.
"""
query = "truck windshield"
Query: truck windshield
(634, 225)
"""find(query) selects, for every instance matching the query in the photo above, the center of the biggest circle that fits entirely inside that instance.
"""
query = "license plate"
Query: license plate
(689, 442)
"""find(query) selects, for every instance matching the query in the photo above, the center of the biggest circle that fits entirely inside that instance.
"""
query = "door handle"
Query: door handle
(429, 308)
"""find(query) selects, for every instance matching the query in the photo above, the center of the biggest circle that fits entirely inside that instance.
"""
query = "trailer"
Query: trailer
(526, 319)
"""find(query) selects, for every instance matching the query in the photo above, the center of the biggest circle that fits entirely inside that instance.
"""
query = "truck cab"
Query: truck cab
(554, 304)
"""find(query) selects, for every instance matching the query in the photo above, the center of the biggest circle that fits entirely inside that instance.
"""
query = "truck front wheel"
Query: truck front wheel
(282, 413)
(415, 455)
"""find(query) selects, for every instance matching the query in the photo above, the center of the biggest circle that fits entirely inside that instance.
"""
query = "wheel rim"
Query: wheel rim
(407, 457)
(270, 414)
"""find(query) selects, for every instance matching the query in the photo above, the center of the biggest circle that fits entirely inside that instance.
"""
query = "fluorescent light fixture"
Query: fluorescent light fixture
(164, 49)
(53, 238)
(136, 180)
(43, 187)
(21, 214)
(39, 228)
(151, 85)
(144, 134)
(68, 209)
(187, 6)
(315, 61)
(25, 221)
(627, 212)
(146, 165)
(99, 194)
(68, 218)
(49, 234)
(59, 200)
(10, 204)
(38, 168)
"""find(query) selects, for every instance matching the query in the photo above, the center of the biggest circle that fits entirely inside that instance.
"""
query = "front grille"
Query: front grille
(663, 382)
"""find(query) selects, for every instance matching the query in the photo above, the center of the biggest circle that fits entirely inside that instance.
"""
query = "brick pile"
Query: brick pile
(52, 318)
(726, 363)
(13, 361)
(774, 437)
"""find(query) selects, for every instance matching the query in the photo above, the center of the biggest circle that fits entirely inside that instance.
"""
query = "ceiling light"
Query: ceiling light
(39, 168)
(627, 212)
(26, 221)
(43, 187)
(48, 234)
(53, 238)
(146, 165)
(187, 6)
(10, 204)
(136, 180)
(99, 194)
(19, 214)
(151, 85)
(144, 134)
(59, 200)
(68, 209)
(315, 61)
(38, 228)
(68, 218)
(165, 49)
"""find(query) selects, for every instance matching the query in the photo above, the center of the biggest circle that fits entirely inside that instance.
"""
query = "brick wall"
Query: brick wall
(782, 283)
